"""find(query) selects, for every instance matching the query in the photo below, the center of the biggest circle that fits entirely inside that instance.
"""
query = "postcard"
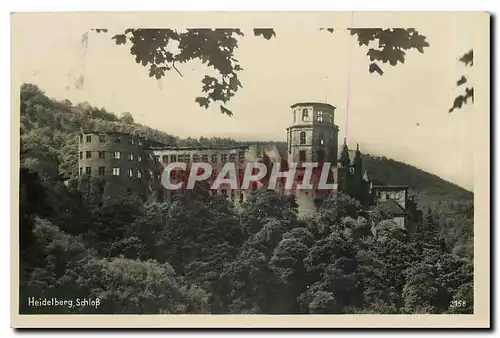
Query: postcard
(250, 169)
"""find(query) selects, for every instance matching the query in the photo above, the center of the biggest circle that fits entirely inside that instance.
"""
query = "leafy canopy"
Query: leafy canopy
(161, 50)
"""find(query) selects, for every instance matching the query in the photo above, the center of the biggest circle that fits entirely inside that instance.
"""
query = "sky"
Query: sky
(402, 114)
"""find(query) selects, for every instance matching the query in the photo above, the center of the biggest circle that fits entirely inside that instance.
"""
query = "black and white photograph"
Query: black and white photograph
(313, 165)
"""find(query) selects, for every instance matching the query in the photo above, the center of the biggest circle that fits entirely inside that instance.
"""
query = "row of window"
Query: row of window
(319, 116)
(302, 138)
(101, 171)
(320, 154)
(115, 155)
(102, 139)
(203, 158)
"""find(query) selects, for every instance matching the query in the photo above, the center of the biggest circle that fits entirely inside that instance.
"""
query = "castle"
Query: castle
(125, 163)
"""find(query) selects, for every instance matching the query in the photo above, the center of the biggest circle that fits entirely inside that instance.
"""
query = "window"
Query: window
(80, 138)
(294, 116)
(173, 158)
(116, 154)
(88, 170)
(330, 117)
(132, 141)
(302, 137)
(305, 114)
(81, 155)
(387, 196)
(139, 173)
(88, 154)
(196, 158)
(102, 154)
(117, 139)
(180, 158)
(157, 158)
(102, 138)
(223, 158)
(165, 159)
(302, 155)
(80, 171)
(321, 139)
(187, 158)
(101, 171)
(214, 158)
(139, 142)
(241, 156)
(130, 173)
(223, 193)
(89, 138)
(320, 116)
(232, 157)
(131, 156)
(139, 158)
(204, 158)
(116, 171)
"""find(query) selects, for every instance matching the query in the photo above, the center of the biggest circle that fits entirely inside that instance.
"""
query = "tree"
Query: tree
(127, 118)
(161, 50)
(126, 286)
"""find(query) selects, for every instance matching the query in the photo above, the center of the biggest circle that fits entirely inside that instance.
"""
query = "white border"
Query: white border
(126, 5)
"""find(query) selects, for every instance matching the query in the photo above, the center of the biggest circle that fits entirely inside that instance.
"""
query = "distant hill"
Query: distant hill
(51, 126)
(426, 186)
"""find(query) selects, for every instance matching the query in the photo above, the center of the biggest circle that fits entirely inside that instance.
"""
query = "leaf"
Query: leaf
(120, 39)
(467, 58)
(462, 99)
(226, 111)
(375, 68)
(202, 101)
(461, 81)
(266, 33)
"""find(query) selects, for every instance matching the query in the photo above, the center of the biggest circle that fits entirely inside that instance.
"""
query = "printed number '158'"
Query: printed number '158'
(458, 303)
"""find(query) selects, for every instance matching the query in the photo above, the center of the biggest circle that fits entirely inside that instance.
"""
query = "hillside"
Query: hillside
(50, 126)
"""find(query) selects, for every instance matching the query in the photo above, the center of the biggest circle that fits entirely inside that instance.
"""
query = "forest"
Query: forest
(200, 254)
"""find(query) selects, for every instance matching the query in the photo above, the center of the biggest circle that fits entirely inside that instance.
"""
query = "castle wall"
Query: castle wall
(216, 157)
(141, 168)
(118, 158)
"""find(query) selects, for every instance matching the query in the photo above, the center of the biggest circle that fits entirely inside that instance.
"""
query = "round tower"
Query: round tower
(313, 136)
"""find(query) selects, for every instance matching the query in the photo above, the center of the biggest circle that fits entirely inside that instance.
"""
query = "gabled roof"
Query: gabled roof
(392, 207)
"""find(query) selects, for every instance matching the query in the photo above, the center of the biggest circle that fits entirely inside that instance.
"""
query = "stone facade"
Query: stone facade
(121, 161)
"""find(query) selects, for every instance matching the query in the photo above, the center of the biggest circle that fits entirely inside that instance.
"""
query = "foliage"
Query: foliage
(389, 45)
(160, 50)
(468, 60)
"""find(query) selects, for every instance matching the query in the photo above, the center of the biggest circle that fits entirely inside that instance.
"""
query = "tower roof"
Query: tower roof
(312, 104)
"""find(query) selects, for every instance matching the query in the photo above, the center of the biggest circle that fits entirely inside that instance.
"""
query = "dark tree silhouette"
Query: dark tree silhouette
(460, 100)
